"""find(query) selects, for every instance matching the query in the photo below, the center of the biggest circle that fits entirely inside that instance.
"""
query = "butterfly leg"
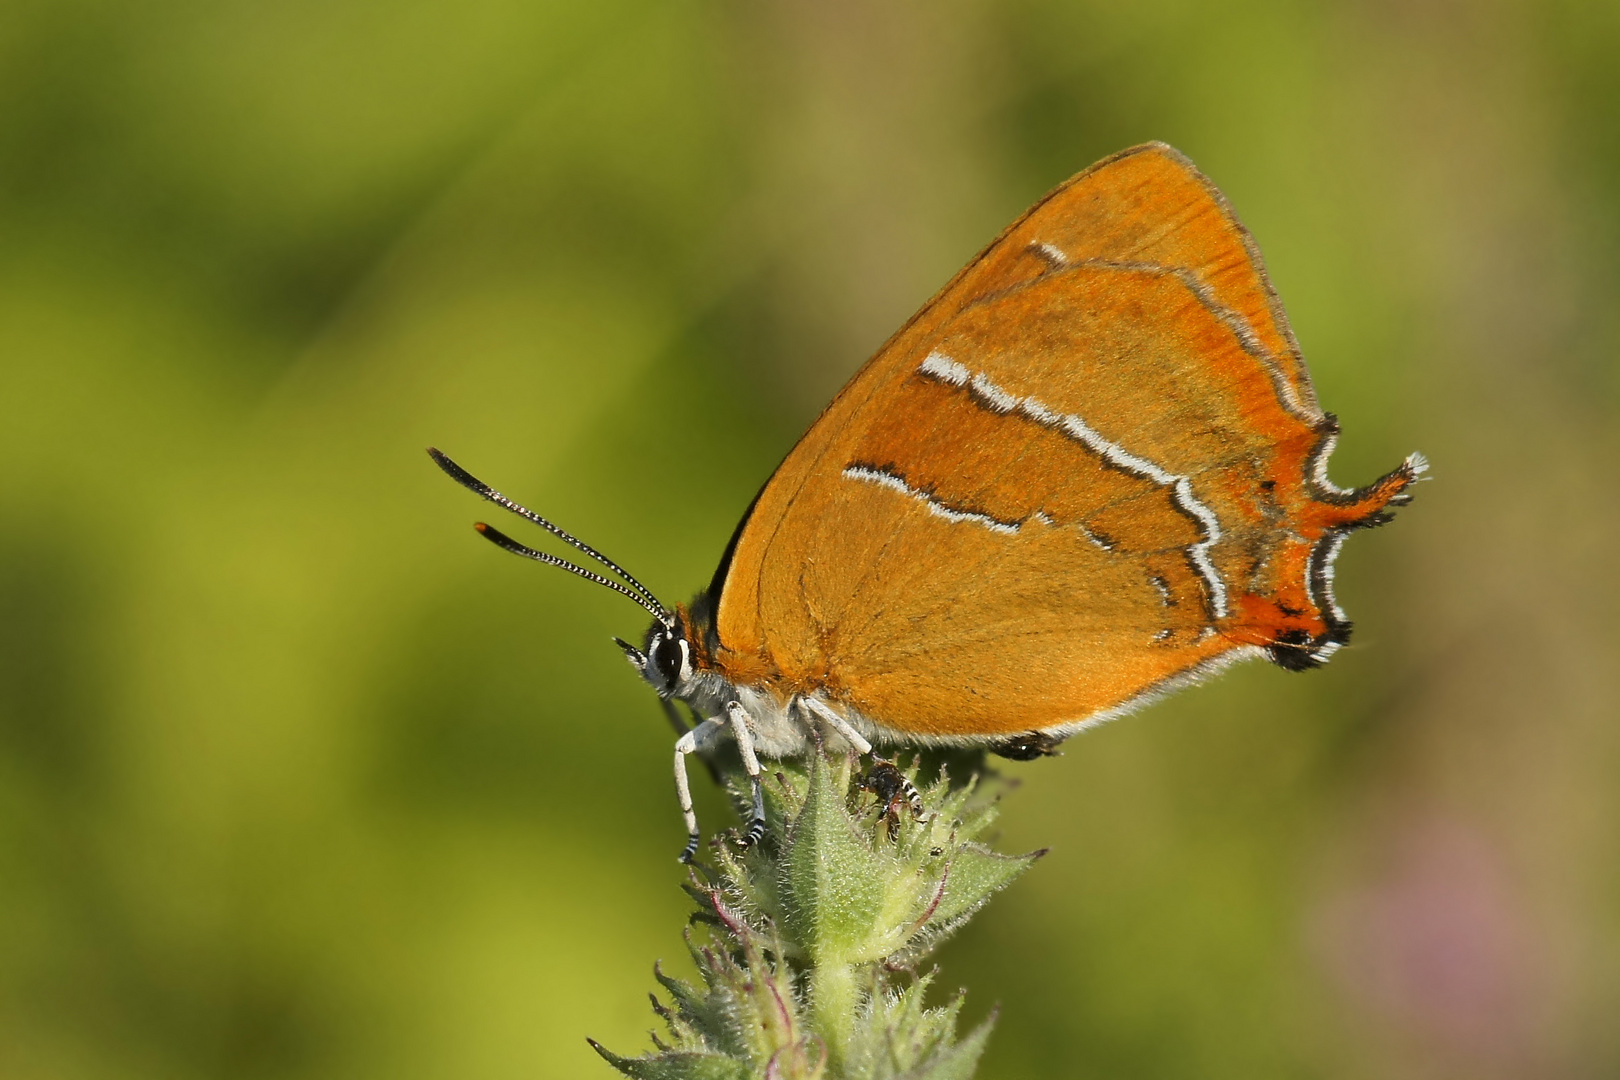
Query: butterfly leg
(745, 746)
(685, 745)
(885, 778)
(681, 727)
(840, 725)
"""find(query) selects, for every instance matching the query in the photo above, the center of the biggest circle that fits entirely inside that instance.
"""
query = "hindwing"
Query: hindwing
(1091, 466)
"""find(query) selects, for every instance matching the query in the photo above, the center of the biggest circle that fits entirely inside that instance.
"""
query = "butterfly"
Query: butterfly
(1091, 470)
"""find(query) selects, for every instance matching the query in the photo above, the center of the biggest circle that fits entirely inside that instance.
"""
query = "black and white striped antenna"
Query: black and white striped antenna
(636, 591)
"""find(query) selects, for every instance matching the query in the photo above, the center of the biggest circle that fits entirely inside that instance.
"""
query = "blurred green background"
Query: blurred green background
(298, 778)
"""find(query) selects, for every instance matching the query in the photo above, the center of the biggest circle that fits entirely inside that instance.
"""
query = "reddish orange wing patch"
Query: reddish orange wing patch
(1091, 467)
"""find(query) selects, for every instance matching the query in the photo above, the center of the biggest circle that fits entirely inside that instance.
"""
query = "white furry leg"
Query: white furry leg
(685, 745)
(839, 724)
(755, 831)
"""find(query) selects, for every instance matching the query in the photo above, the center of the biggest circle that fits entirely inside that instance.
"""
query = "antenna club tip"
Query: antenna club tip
(481, 527)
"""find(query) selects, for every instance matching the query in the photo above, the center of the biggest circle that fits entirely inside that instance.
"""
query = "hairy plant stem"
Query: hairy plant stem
(833, 1001)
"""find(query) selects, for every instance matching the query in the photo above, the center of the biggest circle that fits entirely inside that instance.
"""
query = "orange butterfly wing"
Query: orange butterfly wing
(1087, 469)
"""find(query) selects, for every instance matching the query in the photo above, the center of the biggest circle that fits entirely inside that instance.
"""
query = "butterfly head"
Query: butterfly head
(665, 660)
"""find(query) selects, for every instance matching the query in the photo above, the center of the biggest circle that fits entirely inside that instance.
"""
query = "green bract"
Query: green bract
(809, 945)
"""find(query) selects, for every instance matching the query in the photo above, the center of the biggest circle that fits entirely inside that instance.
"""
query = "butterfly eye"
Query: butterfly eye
(670, 655)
